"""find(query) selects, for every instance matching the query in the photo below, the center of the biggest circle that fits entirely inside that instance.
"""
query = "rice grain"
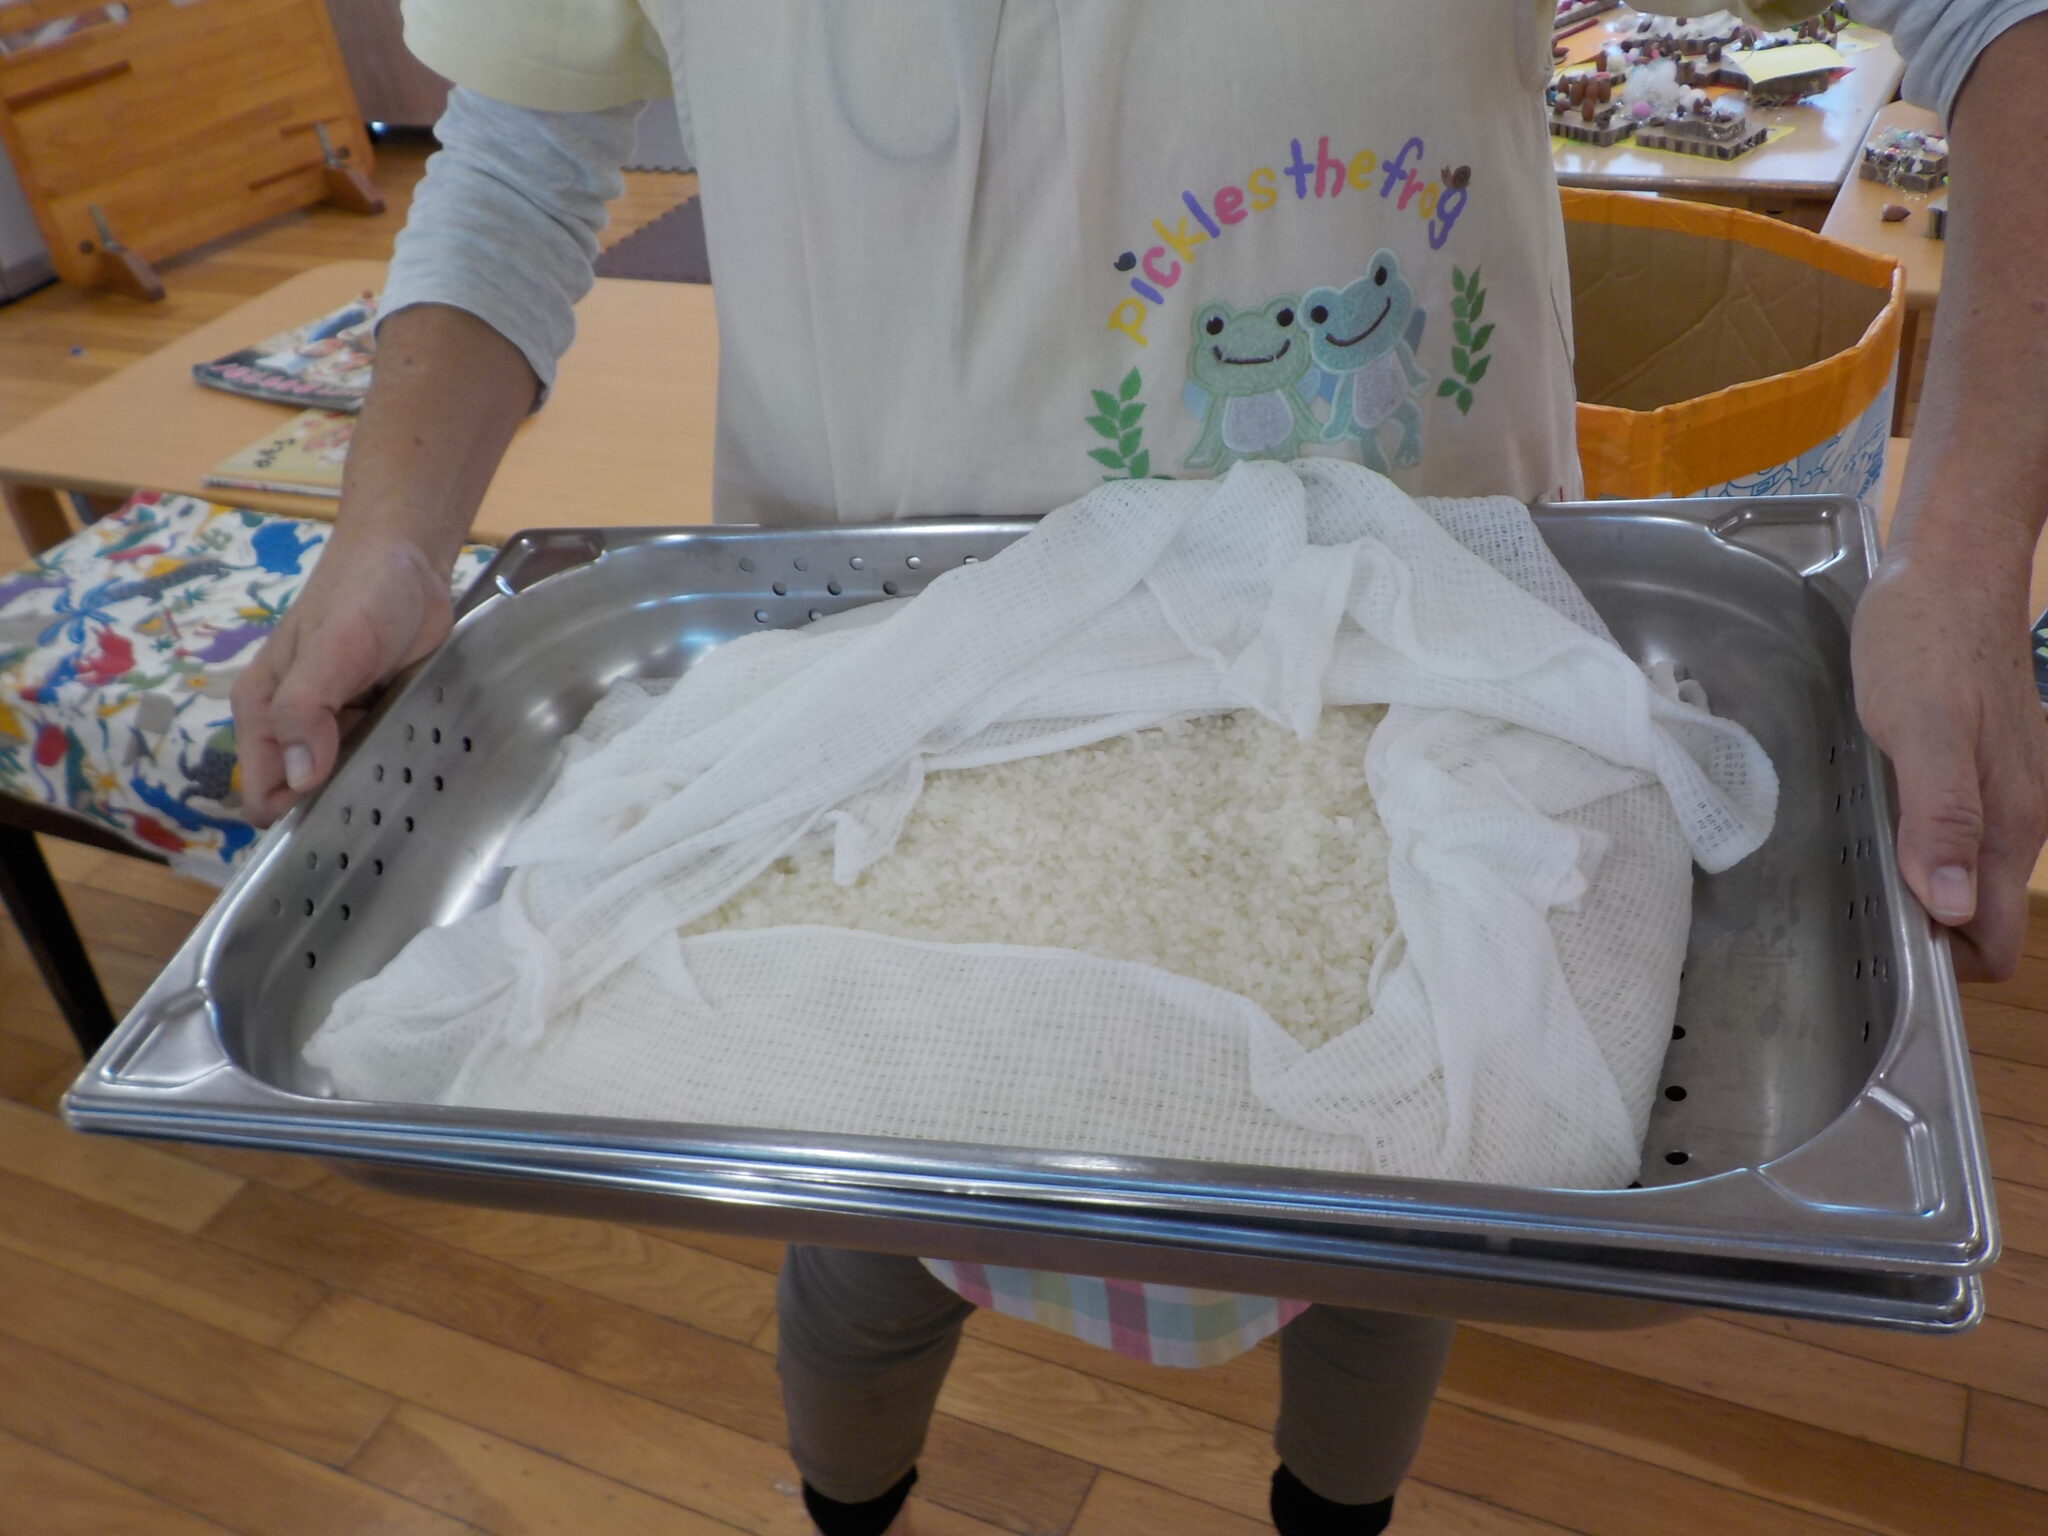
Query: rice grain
(1221, 848)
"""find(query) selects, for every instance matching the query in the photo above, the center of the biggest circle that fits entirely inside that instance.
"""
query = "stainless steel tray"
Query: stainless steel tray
(1816, 1150)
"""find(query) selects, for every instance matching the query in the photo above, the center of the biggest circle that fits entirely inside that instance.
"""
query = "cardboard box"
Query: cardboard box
(1722, 353)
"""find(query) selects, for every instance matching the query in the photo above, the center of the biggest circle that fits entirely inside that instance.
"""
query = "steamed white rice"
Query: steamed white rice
(1224, 849)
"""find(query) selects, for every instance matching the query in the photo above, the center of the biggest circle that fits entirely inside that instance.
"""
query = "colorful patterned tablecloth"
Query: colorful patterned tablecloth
(118, 650)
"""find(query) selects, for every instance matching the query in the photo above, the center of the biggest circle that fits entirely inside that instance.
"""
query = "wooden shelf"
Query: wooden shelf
(155, 127)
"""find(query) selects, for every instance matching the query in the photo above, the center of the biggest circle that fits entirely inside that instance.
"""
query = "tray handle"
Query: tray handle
(532, 557)
(1879, 1156)
(174, 1043)
(1807, 535)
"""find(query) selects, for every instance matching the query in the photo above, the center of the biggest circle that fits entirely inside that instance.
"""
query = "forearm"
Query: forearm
(1943, 681)
(447, 394)
(1976, 490)
(478, 306)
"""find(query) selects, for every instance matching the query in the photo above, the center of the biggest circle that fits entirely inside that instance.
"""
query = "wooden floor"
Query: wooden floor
(195, 1342)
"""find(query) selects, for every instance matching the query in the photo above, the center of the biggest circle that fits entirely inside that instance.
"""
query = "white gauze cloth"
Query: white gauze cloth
(1539, 790)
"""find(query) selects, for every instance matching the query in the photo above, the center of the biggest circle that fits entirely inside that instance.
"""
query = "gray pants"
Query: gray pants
(865, 1339)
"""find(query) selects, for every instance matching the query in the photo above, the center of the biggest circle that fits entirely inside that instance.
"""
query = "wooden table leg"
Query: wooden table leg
(38, 513)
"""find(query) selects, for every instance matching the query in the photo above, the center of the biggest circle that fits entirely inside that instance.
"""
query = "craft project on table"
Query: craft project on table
(1686, 84)
(1660, 105)
(1909, 158)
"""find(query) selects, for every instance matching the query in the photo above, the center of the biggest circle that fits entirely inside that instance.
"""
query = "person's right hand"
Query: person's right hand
(371, 607)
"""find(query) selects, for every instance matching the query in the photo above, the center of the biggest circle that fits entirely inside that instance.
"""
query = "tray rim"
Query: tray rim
(1962, 1242)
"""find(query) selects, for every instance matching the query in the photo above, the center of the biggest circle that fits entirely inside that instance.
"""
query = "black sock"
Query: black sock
(1298, 1511)
(868, 1519)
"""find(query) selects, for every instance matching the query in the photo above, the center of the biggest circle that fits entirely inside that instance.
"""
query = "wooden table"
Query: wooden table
(1857, 219)
(1796, 176)
(625, 437)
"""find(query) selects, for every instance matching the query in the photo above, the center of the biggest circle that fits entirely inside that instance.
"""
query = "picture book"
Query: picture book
(302, 458)
(323, 363)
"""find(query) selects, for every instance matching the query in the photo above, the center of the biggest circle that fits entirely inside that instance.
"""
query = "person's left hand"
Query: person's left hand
(1945, 686)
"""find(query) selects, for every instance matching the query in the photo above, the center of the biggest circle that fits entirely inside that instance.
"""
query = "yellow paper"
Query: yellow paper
(1793, 59)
